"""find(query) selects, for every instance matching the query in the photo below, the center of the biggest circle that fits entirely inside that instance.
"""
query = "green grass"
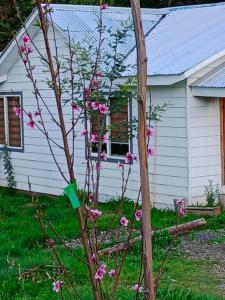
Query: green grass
(23, 247)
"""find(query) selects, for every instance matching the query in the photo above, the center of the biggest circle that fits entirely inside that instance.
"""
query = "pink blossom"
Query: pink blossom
(50, 243)
(93, 214)
(124, 221)
(104, 139)
(100, 272)
(98, 166)
(119, 165)
(29, 114)
(26, 39)
(36, 113)
(31, 124)
(94, 138)
(87, 92)
(84, 132)
(95, 105)
(150, 131)
(103, 109)
(138, 215)
(104, 156)
(29, 50)
(25, 61)
(75, 107)
(151, 151)
(22, 48)
(18, 111)
(57, 285)
(112, 273)
(95, 83)
(104, 6)
(90, 197)
(130, 158)
(94, 258)
(137, 288)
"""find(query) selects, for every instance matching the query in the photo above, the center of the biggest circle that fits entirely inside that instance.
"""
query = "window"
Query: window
(10, 124)
(116, 128)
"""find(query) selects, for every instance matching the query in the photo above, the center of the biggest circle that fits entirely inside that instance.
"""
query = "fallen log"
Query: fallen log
(178, 229)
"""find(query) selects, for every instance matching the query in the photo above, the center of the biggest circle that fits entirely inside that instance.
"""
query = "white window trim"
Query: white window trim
(112, 158)
(6, 121)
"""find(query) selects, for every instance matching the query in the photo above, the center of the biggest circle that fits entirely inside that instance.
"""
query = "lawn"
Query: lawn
(23, 248)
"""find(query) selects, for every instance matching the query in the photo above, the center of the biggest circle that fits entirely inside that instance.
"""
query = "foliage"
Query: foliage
(211, 193)
(8, 167)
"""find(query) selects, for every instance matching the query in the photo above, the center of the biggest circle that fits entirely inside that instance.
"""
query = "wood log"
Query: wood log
(178, 229)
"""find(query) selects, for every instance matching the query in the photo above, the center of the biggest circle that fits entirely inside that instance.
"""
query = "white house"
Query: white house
(186, 69)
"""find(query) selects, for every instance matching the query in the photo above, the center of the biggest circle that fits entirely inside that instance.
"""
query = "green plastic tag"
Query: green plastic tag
(71, 192)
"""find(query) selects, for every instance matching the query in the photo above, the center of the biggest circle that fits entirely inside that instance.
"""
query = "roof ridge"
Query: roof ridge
(175, 8)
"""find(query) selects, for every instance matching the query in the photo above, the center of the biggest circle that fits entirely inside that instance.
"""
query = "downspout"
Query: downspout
(188, 133)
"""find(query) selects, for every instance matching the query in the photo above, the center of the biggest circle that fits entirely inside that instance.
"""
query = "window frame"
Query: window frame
(4, 95)
(112, 158)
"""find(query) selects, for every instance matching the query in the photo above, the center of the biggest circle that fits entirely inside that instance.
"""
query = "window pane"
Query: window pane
(119, 128)
(119, 149)
(14, 123)
(2, 122)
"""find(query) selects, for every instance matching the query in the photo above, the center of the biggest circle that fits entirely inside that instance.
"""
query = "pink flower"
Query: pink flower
(29, 114)
(18, 111)
(151, 151)
(75, 107)
(104, 155)
(25, 61)
(29, 50)
(84, 132)
(36, 113)
(94, 258)
(138, 215)
(94, 105)
(57, 285)
(98, 166)
(26, 39)
(130, 158)
(104, 6)
(90, 198)
(94, 138)
(87, 92)
(50, 243)
(95, 83)
(100, 272)
(119, 165)
(124, 221)
(137, 288)
(31, 124)
(22, 48)
(104, 139)
(103, 109)
(93, 214)
(150, 131)
(112, 273)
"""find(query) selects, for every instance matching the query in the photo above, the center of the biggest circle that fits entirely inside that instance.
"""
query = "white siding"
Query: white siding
(204, 131)
(168, 171)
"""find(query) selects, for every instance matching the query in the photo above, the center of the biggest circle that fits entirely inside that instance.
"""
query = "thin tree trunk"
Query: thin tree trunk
(66, 147)
(145, 188)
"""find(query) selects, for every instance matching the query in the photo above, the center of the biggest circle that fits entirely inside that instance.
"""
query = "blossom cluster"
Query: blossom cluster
(25, 49)
(101, 271)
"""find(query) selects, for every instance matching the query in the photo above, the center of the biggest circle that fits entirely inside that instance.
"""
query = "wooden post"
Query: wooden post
(145, 188)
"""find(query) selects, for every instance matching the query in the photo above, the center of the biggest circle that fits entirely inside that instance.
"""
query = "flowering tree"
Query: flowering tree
(85, 81)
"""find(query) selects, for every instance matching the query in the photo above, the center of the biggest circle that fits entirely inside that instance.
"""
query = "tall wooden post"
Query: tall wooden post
(145, 188)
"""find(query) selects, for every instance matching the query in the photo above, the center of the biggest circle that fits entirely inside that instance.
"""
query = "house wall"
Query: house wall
(204, 138)
(169, 168)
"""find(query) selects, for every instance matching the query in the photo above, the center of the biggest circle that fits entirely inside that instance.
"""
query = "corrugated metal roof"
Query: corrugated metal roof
(184, 38)
(214, 80)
